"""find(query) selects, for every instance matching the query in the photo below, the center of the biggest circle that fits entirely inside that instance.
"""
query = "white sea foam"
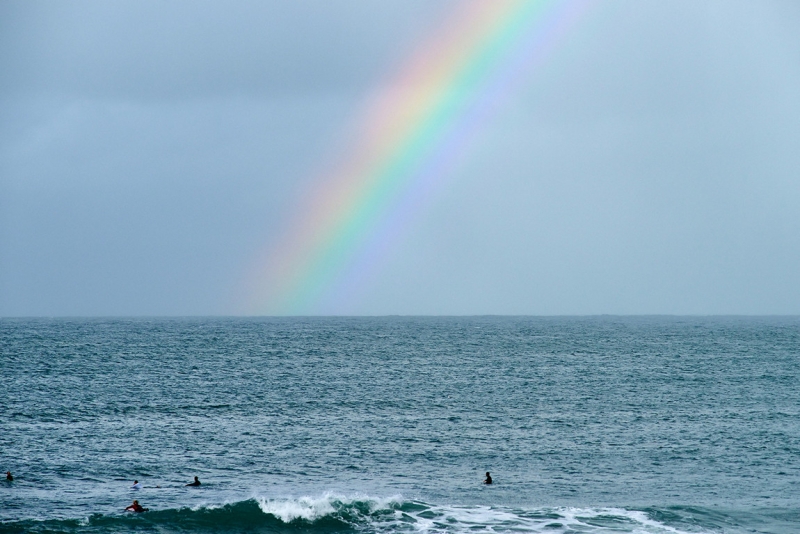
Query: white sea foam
(612, 520)
(478, 519)
(308, 508)
(327, 504)
(394, 514)
(207, 506)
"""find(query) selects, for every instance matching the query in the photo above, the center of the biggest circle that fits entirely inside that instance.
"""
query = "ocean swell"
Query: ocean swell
(331, 513)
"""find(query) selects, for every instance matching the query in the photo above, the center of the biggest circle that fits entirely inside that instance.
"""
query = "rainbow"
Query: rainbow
(412, 134)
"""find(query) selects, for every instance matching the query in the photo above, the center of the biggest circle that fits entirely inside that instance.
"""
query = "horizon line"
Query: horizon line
(397, 315)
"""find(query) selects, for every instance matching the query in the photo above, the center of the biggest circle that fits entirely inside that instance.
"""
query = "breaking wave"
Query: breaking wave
(331, 513)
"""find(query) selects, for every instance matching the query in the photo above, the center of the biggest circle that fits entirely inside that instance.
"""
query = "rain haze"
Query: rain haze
(153, 154)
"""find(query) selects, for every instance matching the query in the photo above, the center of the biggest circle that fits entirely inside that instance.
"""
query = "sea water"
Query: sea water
(379, 425)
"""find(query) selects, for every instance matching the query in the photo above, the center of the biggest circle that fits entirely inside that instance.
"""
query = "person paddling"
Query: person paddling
(136, 507)
(195, 483)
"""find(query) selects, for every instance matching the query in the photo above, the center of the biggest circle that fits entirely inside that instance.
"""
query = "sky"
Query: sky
(162, 157)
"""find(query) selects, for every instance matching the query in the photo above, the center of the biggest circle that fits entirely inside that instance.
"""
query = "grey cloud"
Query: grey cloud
(150, 150)
(181, 49)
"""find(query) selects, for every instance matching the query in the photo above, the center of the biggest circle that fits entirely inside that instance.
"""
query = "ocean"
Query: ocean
(389, 424)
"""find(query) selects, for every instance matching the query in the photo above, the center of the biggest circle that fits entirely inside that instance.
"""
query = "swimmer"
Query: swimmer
(195, 483)
(136, 507)
(8, 476)
(136, 485)
(488, 478)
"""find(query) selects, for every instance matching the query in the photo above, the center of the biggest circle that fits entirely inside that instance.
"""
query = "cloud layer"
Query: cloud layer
(150, 151)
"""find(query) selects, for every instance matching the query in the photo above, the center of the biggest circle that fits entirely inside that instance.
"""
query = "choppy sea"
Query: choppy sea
(382, 425)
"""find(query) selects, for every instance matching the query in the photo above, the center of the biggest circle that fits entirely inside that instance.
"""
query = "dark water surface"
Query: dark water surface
(606, 424)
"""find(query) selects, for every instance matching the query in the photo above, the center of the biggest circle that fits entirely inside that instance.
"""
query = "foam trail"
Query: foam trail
(331, 512)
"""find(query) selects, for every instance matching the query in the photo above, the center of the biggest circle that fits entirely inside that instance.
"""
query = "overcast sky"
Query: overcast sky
(150, 152)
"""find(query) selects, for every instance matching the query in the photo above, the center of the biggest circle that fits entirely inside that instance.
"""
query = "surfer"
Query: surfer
(488, 478)
(195, 483)
(136, 485)
(136, 507)
(8, 476)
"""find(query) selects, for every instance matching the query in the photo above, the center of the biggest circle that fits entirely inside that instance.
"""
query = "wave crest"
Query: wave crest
(329, 504)
(332, 514)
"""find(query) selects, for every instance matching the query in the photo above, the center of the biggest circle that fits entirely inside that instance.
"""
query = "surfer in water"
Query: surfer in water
(8, 476)
(195, 483)
(136, 485)
(488, 478)
(136, 507)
